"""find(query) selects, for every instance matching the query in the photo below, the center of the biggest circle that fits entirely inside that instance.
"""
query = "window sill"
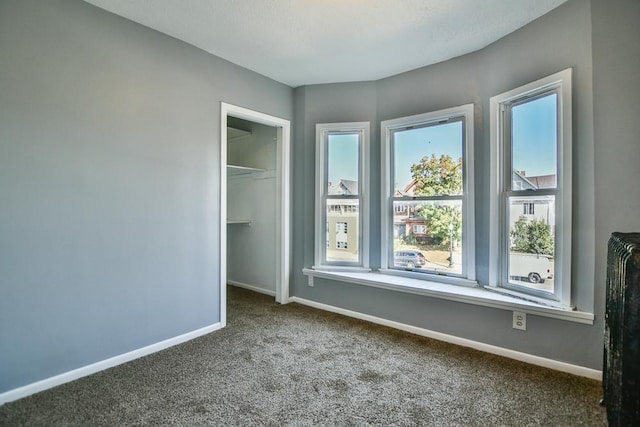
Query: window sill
(476, 295)
(340, 269)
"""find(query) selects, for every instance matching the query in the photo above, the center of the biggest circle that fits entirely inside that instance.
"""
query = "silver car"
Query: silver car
(409, 259)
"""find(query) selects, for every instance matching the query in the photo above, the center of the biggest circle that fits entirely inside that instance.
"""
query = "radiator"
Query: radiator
(621, 371)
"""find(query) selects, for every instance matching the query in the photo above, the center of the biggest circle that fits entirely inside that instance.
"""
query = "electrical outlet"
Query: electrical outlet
(311, 281)
(519, 320)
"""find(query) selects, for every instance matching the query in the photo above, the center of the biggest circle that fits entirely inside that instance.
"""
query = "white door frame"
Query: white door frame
(282, 243)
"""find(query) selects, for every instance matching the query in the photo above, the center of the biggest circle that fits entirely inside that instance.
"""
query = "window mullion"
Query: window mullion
(533, 193)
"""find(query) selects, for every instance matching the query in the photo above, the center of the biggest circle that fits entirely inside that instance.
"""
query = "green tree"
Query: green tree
(439, 177)
(532, 236)
(438, 218)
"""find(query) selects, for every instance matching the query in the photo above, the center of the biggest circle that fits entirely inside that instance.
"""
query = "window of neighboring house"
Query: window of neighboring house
(420, 229)
(531, 131)
(527, 208)
(428, 161)
(341, 202)
(399, 208)
(341, 235)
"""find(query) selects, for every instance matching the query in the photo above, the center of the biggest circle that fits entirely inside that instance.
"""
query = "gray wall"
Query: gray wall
(109, 212)
(616, 118)
(334, 103)
(558, 40)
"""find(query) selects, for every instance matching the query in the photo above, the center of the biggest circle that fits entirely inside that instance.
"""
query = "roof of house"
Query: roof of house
(543, 181)
(344, 187)
(408, 190)
(519, 176)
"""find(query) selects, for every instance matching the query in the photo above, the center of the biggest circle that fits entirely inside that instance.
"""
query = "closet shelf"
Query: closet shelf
(239, 221)
(234, 134)
(233, 170)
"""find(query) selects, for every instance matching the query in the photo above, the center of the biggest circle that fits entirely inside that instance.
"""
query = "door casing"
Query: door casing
(283, 173)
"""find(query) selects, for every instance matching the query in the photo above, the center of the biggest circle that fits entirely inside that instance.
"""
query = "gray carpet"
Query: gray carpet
(294, 365)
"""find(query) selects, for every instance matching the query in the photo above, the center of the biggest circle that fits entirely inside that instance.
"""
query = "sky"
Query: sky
(534, 138)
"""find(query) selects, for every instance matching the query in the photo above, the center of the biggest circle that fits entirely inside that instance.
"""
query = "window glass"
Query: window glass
(433, 228)
(534, 143)
(532, 242)
(342, 164)
(342, 230)
(428, 196)
(531, 220)
(428, 160)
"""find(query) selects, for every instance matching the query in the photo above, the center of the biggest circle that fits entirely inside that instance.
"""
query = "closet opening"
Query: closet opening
(254, 204)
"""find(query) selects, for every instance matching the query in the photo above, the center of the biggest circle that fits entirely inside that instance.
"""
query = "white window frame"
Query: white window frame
(560, 83)
(468, 276)
(323, 130)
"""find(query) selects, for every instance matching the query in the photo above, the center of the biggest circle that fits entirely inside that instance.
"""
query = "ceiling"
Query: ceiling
(301, 42)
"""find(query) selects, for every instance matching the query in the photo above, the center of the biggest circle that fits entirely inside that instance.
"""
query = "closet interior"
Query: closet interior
(251, 205)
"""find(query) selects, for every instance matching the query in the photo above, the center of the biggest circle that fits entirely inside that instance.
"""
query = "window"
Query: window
(428, 161)
(342, 235)
(341, 199)
(420, 229)
(531, 203)
(527, 207)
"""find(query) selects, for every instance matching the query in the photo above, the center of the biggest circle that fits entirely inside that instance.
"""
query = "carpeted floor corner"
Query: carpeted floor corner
(294, 365)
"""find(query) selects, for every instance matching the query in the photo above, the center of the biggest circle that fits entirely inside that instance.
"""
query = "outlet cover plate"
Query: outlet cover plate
(520, 320)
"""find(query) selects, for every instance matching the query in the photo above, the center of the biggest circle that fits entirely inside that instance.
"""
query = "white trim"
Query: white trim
(283, 207)
(322, 132)
(253, 288)
(417, 275)
(469, 294)
(38, 386)
(495, 211)
(561, 81)
(468, 198)
(487, 348)
(283, 212)
(223, 215)
(319, 233)
(565, 123)
(469, 191)
(341, 268)
(529, 297)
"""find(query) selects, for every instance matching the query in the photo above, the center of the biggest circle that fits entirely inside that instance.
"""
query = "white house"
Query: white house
(532, 207)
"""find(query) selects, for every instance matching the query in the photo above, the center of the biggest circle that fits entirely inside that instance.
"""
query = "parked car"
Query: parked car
(531, 267)
(409, 259)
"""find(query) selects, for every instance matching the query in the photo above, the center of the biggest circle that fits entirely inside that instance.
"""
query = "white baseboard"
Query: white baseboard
(252, 288)
(487, 348)
(29, 389)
